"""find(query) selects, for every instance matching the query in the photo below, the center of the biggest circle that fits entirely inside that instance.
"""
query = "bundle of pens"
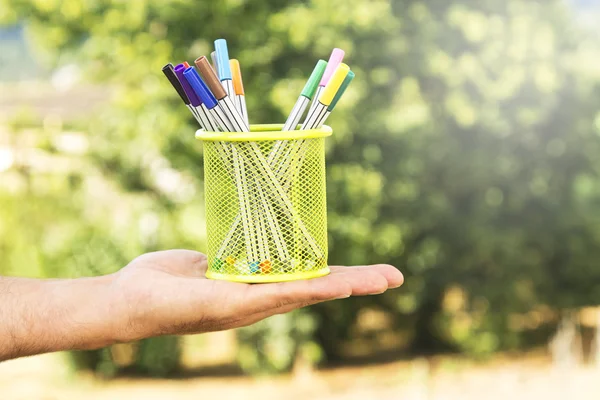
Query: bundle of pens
(264, 184)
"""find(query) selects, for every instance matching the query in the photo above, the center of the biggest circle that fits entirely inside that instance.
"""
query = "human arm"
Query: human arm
(158, 294)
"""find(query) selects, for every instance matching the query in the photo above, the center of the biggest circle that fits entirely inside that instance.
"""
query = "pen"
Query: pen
(239, 169)
(329, 97)
(172, 77)
(298, 110)
(336, 57)
(222, 114)
(208, 99)
(326, 97)
(213, 57)
(238, 87)
(258, 159)
(336, 98)
(212, 82)
(247, 222)
(263, 243)
(207, 121)
(224, 71)
(305, 97)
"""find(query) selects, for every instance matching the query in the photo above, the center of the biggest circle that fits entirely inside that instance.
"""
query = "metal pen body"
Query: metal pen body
(314, 116)
(221, 119)
(241, 106)
(196, 115)
(323, 119)
(207, 120)
(215, 61)
(297, 111)
(228, 86)
(233, 115)
(290, 124)
(315, 98)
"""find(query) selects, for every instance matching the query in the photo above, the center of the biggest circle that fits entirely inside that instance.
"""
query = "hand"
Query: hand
(168, 293)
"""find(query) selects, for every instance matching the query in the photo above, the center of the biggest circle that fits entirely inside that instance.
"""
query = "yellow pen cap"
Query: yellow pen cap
(334, 84)
(236, 74)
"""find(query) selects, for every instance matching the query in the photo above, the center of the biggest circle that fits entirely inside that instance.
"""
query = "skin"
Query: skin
(162, 293)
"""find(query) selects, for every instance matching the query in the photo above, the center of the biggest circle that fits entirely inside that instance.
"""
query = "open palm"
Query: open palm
(167, 292)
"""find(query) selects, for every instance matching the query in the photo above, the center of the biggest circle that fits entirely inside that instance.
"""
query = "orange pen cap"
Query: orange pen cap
(236, 74)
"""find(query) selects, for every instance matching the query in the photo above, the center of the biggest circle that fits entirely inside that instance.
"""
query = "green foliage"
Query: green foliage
(465, 152)
(153, 357)
(273, 345)
(158, 356)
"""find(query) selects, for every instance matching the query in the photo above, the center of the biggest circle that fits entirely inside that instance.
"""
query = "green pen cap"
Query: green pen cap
(341, 90)
(311, 85)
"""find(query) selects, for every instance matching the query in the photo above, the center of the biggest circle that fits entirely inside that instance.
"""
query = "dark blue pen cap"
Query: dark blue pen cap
(194, 99)
(224, 70)
(200, 88)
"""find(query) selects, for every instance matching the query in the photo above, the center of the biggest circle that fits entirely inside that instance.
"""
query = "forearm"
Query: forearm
(38, 316)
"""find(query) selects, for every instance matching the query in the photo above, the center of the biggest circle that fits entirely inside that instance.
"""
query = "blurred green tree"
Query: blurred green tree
(466, 151)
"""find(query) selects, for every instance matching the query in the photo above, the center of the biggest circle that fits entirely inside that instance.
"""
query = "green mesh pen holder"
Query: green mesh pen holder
(266, 211)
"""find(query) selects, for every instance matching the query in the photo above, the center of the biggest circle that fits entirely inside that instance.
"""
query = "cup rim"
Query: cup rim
(263, 132)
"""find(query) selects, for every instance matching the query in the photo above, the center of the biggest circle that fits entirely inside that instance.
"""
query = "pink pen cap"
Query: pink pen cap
(335, 59)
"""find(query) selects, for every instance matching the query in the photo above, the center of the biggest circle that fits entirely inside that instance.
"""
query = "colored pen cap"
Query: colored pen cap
(185, 64)
(213, 57)
(336, 57)
(194, 99)
(210, 78)
(200, 88)
(313, 81)
(224, 70)
(334, 84)
(170, 74)
(341, 90)
(236, 74)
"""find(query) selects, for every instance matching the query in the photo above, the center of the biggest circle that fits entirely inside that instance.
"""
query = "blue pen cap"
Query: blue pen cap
(200, 88)
(224, 70)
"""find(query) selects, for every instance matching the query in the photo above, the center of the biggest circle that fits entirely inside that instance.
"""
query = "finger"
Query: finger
(275, 295)
(364, 282)
(392, 274)
(361, 281)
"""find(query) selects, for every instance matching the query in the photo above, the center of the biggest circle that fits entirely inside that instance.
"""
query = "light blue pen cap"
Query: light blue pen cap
(224, 70)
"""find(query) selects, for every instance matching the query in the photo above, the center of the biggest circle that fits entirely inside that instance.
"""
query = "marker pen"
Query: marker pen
(298, 110)
(212, 82)
(326, 97)
(213, 57)
(305, 97)
(201, 90)
(196, 101)
(172, 77)
(336, 57)
(336, 98)
(224, 71)
(238, 88)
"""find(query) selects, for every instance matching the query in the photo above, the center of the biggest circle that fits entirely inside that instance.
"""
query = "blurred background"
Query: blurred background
(466, 153)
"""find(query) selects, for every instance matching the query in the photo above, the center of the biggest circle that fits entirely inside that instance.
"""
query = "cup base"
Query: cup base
(296, 276)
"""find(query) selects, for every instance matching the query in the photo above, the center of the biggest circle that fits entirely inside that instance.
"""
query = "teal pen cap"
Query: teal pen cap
(341, 90)
(313, 81)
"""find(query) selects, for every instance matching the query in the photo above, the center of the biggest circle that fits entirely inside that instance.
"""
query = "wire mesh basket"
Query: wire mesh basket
(266, 212)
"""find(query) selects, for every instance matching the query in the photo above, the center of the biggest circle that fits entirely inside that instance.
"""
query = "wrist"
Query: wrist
(89, 315)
